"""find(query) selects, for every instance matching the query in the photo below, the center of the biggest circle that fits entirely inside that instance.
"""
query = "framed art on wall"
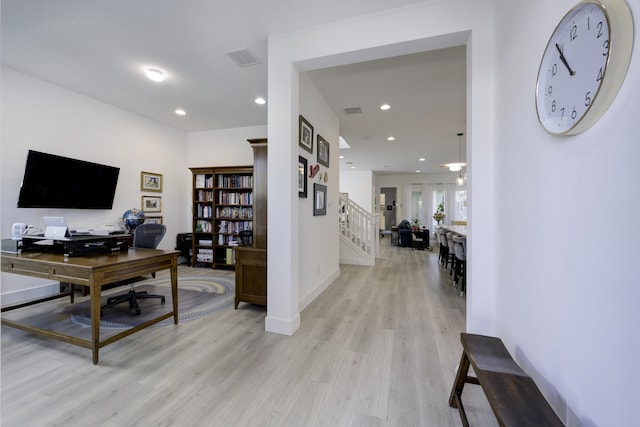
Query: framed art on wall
(153, 220)
(319, 199)
(305, 134)
(151, 204)
(323, 151)
(302, 177)
(150, 181)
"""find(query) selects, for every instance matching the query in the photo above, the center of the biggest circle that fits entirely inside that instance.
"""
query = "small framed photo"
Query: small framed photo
(150, 181)
(302, 177)
(305, 134)
(153, 220)
(319, 199)
(151, 204)
(323, 151)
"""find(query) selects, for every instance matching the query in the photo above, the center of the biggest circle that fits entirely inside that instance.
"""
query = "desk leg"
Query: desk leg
(174, 289)
(94, 298)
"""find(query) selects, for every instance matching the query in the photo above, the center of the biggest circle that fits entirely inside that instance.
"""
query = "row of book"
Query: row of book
(204, 255)
(235, 181)
(234, 212)
(203, 181)
(232, 198)
(234, 227)
(204, 226)
(204, 195)
(204, 211)
(226, 256)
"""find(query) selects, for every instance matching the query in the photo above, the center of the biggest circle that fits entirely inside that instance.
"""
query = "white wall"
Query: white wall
(567, 287)
(40, 116)
(318, 240)
(224, 147)
(359, 185)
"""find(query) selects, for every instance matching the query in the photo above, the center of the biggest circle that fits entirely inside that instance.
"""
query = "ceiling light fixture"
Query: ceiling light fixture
(385, 107)
(422, 159)
(180, 112)
(391, 138)
(155, 74)
(260, 101)
(460, 180)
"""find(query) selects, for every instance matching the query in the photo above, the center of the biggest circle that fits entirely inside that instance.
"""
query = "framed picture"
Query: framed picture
(151, 204)
(323, 151)
(302, 177)
(150, 181)
(319, 199)
(305, 134)
(153, 220)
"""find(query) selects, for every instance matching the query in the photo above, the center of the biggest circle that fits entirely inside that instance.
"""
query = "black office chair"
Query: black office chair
(144, 236)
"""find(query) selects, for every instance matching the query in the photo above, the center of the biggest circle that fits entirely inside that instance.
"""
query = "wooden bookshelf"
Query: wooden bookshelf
(222, 213)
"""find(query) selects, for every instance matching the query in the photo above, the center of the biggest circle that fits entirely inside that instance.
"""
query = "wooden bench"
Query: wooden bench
(514, 397)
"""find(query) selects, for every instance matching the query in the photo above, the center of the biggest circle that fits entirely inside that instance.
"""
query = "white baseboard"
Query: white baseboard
(27, 294)
(282, 326)
(315, 292)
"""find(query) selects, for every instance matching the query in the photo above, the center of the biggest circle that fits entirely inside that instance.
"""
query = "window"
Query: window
(460, 207)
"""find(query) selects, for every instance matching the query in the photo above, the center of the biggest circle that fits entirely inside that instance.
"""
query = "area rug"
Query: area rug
(197, 297)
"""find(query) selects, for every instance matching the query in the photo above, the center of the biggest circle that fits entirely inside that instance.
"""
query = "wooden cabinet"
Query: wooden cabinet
(251, 276)
(251, 262)
(222, 213)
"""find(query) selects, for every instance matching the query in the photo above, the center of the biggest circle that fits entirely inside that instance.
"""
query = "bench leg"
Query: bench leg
(455, 399)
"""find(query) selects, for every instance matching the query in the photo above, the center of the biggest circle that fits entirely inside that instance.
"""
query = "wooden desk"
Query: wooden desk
(94, 272)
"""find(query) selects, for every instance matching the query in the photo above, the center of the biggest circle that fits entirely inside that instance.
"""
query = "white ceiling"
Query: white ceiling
(99, 48)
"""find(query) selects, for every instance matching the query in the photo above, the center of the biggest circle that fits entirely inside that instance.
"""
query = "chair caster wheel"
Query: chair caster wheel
(162, 300)
(138, 312)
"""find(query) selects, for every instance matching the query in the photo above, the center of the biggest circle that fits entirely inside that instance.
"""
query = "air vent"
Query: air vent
(352, 110)
(242, 57)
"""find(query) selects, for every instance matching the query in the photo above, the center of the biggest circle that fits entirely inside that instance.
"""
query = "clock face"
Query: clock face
(573, 69)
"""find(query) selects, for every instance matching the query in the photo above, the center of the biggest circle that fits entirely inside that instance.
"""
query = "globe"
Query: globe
(133, 218)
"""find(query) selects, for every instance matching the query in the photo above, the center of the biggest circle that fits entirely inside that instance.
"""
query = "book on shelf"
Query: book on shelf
(235, 181)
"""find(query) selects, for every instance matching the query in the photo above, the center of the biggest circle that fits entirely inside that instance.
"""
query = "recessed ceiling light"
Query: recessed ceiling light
(180, 112)
(353, 167)
(155, 74)
(260, 101)
(342, 157)
(385, 107)
(418, 171)
(422, 159)
(391, 138)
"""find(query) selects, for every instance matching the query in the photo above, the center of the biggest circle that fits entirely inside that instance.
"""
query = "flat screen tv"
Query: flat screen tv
(52, 181)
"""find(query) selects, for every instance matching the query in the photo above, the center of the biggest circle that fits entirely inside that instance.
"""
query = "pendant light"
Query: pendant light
(460, 180)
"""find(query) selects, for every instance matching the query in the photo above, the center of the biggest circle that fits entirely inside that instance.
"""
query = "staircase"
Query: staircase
(358, 233)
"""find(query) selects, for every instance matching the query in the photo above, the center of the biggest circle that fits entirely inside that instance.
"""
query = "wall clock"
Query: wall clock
(584, 65)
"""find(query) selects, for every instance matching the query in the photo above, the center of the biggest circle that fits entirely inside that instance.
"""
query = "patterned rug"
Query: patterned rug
(197, 297)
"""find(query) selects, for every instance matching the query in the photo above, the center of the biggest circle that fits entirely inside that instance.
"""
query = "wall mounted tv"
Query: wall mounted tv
(52, 181)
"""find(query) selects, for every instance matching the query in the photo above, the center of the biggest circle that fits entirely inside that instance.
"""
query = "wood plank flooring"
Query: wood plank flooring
(378, 348)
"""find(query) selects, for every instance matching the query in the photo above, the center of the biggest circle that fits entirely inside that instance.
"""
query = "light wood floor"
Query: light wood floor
(378, 348)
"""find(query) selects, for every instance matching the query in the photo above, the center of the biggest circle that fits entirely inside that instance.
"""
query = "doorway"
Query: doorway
(388, 206)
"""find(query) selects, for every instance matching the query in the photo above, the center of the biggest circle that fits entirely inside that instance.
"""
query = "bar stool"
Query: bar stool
(460, 248)
(444, 248)
(452, 252)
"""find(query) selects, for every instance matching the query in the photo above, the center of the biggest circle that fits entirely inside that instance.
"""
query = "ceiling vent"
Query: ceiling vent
(242, 57)
(352, 110)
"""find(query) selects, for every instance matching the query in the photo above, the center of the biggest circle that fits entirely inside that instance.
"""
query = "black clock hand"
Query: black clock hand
(564, 61)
